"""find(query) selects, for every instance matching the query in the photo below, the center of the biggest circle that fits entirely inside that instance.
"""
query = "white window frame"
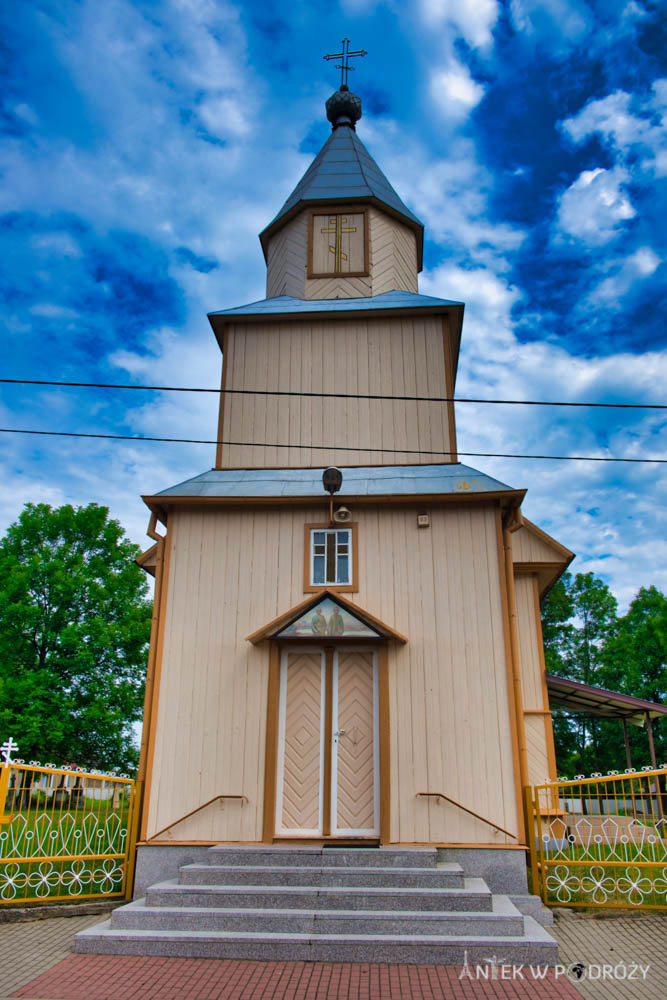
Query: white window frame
(350, 564)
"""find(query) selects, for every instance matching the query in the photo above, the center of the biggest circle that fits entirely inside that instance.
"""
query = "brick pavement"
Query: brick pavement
(103, 977)
(35, 963)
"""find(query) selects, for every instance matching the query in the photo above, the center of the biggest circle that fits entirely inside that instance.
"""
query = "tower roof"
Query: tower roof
(344, 171)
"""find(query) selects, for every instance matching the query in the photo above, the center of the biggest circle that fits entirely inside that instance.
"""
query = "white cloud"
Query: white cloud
(568, 20)
(474, 19)
(449, 194)
(610, 116)
(625, 275)
(624, 123)
(52, 310)
(594, 206)
(225, 116)
(454, 91)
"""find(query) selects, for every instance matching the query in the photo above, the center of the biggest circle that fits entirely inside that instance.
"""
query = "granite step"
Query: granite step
(474, 895)
(321, 857)
(535, 945)
(449, 876)
(503, 919)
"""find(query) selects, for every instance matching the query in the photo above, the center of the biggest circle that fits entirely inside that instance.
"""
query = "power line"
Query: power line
(335, 395)
(331, 447)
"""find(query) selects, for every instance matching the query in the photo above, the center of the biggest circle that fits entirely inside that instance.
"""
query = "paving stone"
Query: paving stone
(29, 948)
(618, 941)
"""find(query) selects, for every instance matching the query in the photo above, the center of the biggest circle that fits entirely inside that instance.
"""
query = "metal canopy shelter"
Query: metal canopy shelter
(596, 701)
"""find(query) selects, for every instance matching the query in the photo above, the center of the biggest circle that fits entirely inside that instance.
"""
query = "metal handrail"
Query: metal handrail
(439, 795)
(215, 798)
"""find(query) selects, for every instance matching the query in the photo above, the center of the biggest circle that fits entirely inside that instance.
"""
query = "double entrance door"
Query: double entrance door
(328, 756)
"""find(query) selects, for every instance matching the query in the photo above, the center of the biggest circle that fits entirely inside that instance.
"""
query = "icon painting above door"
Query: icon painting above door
(328, 618)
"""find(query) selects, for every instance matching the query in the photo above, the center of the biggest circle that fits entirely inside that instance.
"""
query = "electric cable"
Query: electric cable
(331, 447)
(335, 395)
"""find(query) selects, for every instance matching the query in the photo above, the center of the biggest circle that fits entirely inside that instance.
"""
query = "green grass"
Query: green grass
(61, 833)
(602, 876)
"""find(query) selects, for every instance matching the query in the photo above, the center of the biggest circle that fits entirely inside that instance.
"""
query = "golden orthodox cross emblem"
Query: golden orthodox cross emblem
(338, 226)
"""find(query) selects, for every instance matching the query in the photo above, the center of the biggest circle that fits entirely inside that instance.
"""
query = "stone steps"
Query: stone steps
(448, 876)
(321, 857)
(318, 904)
(474, 896)
(502, 919)
(535, 945)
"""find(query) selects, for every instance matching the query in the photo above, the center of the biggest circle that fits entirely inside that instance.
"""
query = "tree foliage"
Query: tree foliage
(74, 628)
(586, 640)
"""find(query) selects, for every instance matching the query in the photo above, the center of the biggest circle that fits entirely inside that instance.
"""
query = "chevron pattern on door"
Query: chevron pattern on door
(299, 804)
(354, 787)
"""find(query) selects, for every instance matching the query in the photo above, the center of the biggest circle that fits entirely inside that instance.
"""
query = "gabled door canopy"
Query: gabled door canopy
(364, 625)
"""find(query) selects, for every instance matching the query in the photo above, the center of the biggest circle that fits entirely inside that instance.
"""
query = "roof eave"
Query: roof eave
(455, 310)
(159, 503)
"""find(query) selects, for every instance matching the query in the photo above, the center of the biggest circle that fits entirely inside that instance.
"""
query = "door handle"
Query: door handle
(339, 732)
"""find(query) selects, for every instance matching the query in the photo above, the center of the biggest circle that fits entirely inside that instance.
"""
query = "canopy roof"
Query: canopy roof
(576, 697)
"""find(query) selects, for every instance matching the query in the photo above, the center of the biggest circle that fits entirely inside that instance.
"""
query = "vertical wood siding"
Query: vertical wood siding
(401, 356)
(232, 571)
(392, 262)
(528, 547)
(532, 679)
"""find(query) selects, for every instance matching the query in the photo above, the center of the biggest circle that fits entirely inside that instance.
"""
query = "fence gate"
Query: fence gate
(65, 834)
(600, 841)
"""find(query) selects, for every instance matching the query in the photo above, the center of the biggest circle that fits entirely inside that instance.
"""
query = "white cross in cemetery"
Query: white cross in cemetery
(7, 749)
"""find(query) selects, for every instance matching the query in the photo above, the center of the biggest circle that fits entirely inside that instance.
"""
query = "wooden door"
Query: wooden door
(328, 761)
(355, 759)
(300, 788)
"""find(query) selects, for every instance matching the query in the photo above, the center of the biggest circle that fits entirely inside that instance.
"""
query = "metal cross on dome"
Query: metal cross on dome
(344, 67)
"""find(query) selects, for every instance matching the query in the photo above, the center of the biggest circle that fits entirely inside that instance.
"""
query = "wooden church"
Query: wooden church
(352, 657)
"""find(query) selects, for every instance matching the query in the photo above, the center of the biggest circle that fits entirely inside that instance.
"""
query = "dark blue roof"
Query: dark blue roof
(344, 170)
(372, 480)
(286, 304)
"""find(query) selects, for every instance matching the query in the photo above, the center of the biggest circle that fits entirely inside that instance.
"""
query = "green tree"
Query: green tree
(579, 616)
(634, 661)
(557, 610)
(585, 640)
(74, 628)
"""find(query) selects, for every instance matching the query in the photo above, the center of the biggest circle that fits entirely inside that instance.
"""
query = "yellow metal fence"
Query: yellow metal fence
(65, 834)
(600, 841)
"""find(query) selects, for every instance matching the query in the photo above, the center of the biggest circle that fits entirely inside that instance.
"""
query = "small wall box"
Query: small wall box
(423, 520)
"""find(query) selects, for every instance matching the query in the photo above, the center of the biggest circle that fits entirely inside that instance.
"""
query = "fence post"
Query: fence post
(4, 788)
(534, 860)
(132, 839)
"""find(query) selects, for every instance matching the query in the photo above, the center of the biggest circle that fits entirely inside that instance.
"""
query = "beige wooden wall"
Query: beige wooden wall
(403, 356)
(537, 719)
(392, 250)
(231, 572)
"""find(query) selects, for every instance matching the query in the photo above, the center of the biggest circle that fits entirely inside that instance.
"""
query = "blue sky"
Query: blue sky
(146, 144)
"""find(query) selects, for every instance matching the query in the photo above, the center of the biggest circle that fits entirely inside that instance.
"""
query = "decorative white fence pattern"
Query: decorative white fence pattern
(65, 833)
(601, 841)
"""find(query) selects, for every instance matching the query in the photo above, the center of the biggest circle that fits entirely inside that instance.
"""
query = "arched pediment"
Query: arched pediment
(326, 614)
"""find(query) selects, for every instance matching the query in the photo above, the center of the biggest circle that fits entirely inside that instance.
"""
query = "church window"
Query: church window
(338, 244)
(330, 557)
